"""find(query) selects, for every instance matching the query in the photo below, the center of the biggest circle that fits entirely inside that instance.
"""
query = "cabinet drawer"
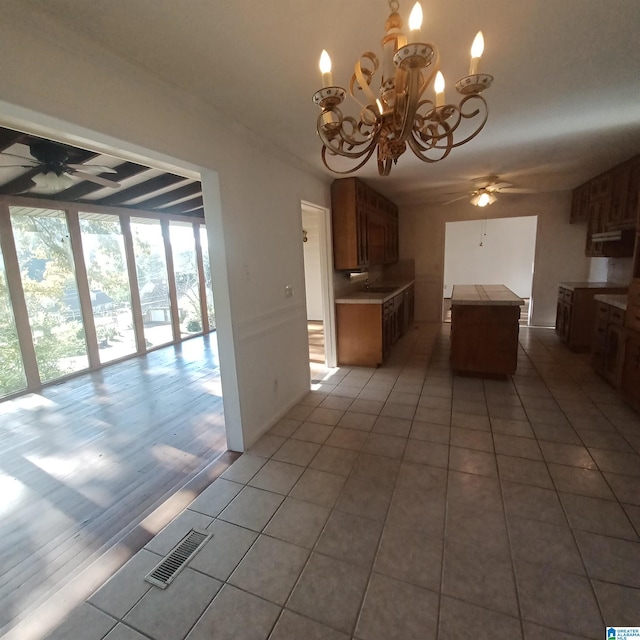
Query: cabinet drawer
(568, 295)
(561, 291)
(616, 316)
(602, 314)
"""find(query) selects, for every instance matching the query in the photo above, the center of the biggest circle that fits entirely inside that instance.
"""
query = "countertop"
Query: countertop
(375, 297)
(572, 286)
(615, 300)
(484, 294)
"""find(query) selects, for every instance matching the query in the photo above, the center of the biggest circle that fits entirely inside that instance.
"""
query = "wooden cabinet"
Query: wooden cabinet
(577, 312)
(609, 203)
(366, 332)
(580, 203)
(631, 371)
(608, 345)
(365, 226)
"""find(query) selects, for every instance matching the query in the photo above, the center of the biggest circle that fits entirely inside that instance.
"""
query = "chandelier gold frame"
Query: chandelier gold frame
(400, 115)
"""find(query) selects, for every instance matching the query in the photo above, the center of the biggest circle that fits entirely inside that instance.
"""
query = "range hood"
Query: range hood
(607, 236)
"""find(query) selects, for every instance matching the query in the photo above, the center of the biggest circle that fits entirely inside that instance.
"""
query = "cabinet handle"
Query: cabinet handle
(637, 358)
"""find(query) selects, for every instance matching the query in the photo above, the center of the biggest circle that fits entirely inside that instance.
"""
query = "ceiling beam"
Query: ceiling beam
(8, 138)
(192, 189)
(183, 207)
(155, 184)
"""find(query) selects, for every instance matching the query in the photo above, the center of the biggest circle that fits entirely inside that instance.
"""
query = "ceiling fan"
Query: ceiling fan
(485, 190)
(55, 172)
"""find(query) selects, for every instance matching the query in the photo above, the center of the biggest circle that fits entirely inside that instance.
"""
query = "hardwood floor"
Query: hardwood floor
(83, 462)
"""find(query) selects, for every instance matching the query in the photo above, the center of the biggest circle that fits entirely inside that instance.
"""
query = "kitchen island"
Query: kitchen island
(484, 330)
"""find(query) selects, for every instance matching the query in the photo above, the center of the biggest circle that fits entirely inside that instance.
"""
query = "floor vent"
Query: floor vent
(163, 574)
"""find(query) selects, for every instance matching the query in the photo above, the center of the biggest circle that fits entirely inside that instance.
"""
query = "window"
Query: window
(106, 264)
(185, 268)
(48, 279)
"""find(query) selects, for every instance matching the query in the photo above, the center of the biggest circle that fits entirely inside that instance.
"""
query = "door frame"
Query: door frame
(326, 278)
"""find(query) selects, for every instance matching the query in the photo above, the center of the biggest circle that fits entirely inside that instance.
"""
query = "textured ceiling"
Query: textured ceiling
(564, 106)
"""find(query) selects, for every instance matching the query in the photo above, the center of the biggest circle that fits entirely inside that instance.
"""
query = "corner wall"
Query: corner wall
(559, 251)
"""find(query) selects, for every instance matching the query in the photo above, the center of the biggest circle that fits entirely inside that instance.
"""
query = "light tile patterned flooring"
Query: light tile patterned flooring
(407, 503)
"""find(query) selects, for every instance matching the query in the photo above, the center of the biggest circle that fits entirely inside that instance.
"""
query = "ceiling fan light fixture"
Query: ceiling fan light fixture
(52, 182)
(398, 115)
(482, 198)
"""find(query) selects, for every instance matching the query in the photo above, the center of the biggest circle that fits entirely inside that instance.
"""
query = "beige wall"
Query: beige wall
(559, 248)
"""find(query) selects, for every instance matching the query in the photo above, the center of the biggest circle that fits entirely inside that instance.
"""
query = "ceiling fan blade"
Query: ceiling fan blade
(15, 155)
(516, 190)
(91, 167)
(111, 184)
(466, 195)
(13, 166)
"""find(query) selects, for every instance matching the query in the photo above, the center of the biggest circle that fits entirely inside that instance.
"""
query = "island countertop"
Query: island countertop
(484, 294)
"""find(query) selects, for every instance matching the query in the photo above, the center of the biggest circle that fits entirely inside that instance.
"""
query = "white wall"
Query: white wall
(311, 221)
(559, 248)
(496, 251)
(54, 79)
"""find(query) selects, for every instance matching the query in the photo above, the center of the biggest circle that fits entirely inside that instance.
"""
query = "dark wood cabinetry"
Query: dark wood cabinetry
(366, 332)
(577, 312)
(608, 346)
(631, 371)
(609, 203)
(365, 226)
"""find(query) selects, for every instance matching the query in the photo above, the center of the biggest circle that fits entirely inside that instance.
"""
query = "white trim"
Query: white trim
(326, 275)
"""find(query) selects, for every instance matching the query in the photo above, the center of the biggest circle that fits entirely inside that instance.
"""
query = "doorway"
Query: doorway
(318, 274)
(491, 251)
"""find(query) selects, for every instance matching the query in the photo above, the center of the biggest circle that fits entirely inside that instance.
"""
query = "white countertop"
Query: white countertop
(484, 294)
(615, 300)
(372, 296)
(572, 286)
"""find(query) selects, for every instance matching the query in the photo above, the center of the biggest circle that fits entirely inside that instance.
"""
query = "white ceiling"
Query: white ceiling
(564, 106)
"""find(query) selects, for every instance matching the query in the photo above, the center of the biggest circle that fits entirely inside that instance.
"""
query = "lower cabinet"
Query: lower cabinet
(608, 346)
(366, 332)
(631, 371)
(577, 313)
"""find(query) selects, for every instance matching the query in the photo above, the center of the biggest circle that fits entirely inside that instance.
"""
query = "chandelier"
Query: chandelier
(400, 115)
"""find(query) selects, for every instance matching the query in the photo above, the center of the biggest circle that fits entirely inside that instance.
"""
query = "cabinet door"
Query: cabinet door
(632, 215)
(614, 355)
(617, 209)
(631, 370)
(580, 204)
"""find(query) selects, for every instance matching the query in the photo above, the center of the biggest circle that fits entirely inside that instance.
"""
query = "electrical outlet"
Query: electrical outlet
(288, 291)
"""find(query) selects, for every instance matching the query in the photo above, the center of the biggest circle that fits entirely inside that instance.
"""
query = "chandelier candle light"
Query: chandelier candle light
(400, 115)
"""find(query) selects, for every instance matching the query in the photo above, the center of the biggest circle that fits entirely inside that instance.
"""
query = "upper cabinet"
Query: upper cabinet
(609, 204)
(365, 225)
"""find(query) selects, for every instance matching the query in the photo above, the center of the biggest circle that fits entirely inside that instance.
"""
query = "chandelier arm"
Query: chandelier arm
(384, 163)
(420, 150)
(334, 136)
(371, 149)
(409, 104)
(473, 114)
(363, 77)
(435, 67)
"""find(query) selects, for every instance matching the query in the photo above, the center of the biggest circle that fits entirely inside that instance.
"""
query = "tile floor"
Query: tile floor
(406, 503)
